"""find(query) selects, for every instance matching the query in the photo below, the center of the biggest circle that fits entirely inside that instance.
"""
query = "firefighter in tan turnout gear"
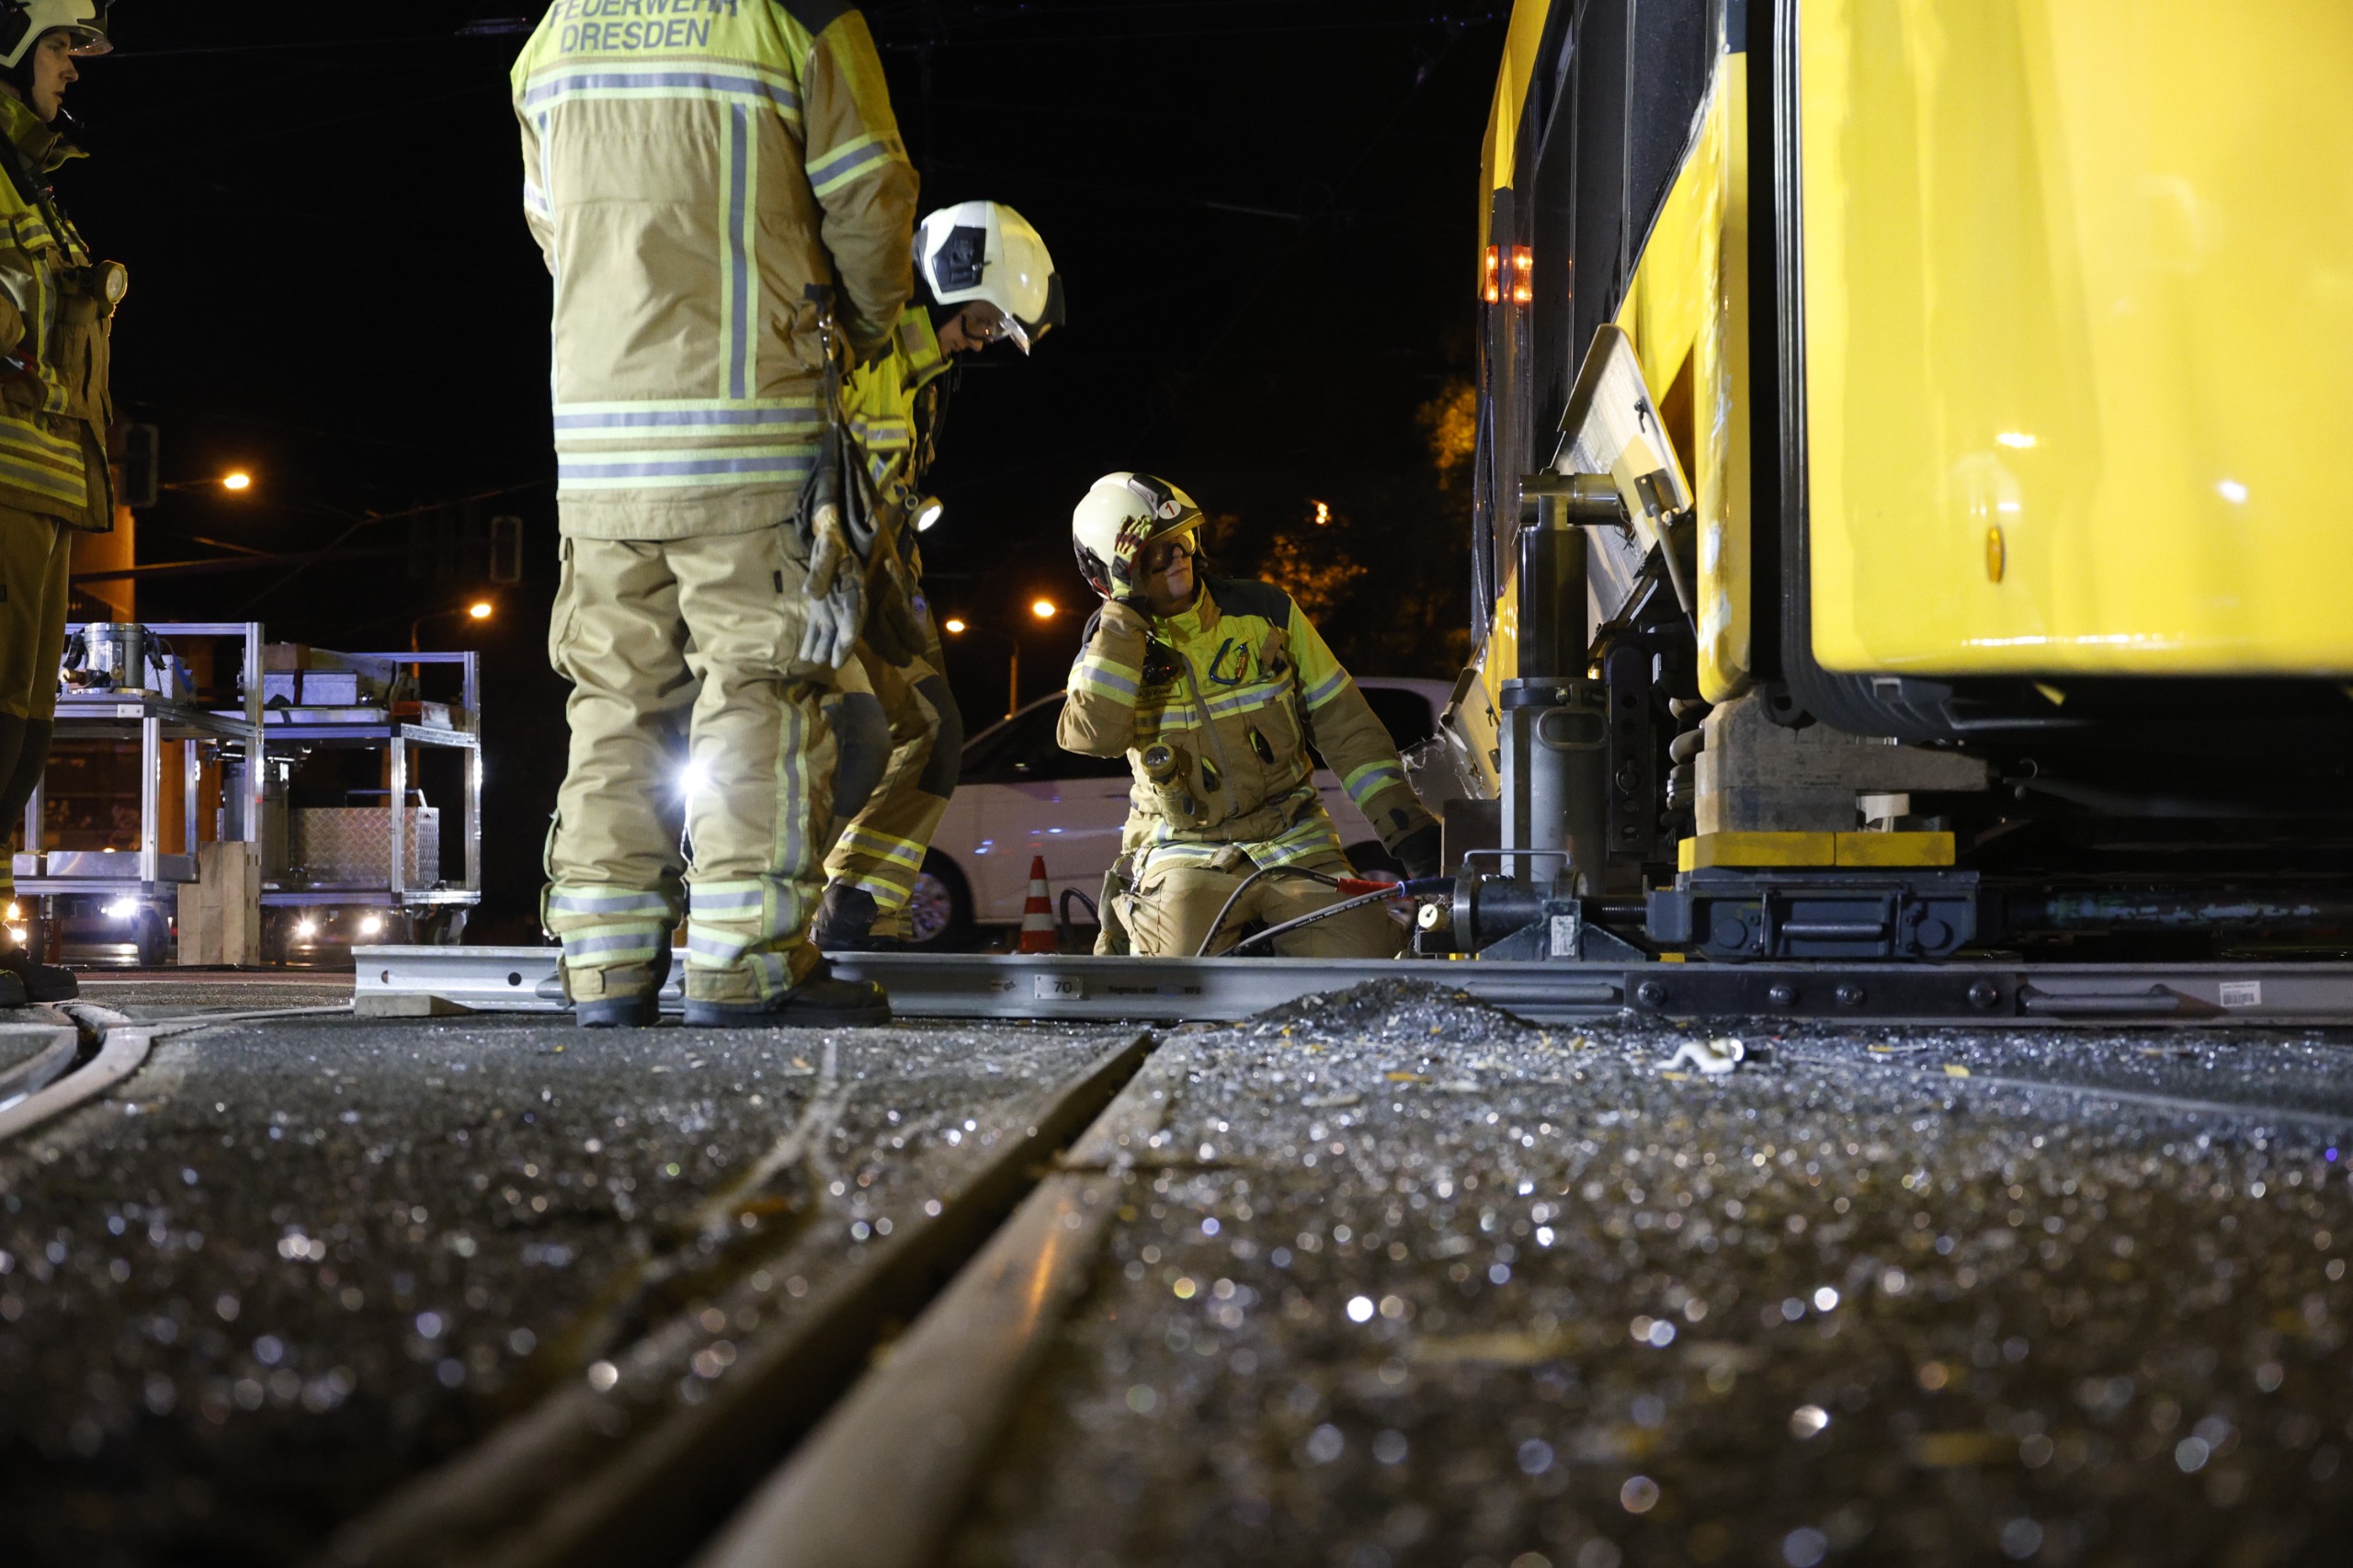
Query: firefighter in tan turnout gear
(985, 277)
(57, 305)
(1215, 689)
(698, 182)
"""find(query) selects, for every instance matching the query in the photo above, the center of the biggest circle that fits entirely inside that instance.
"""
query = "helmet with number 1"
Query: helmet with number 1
(986, 251)
(24, 23)
(1116, 503)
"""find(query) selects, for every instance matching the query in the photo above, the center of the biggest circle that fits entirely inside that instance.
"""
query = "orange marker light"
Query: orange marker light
(1523, 275)
(1491, 292)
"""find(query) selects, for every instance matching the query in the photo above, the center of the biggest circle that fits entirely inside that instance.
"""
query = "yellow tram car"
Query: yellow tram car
(1911, 515)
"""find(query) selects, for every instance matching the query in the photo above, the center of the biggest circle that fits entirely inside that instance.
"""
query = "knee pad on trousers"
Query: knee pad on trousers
(862, 741)
(946, 763)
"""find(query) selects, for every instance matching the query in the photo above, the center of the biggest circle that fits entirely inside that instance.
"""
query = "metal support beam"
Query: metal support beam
(1080, 988)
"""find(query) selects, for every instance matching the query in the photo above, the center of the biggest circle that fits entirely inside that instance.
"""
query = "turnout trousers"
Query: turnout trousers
(912, 716)
(36, 571)
(1172, 907)
(690, 638)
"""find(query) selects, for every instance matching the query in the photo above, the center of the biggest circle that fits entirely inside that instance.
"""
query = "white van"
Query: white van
(1022, 795)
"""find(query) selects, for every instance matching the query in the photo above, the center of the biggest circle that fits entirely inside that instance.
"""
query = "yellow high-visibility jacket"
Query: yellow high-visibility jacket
(689, 168)
(893, 406)
(1238, 687)
(56, 317)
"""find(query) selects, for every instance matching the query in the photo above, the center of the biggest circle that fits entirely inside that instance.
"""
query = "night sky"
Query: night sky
(1265, 212)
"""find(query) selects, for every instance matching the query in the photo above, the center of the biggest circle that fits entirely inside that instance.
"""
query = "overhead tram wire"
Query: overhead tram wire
(211, 148)
(316, 557)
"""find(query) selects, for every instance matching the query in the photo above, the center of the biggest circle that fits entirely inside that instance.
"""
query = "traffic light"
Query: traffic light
(505, 549)
(135, 452)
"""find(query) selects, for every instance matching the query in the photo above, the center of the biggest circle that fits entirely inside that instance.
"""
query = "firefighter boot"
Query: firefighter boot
(621, 998)
(818, 1002)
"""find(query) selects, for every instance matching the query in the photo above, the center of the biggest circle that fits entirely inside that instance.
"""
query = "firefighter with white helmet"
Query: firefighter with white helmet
(1215, 689)
(57, 303)
(983, 277)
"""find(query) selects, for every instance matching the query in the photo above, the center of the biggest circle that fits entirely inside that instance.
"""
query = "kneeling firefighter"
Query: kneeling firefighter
(1215, 689)
(56, 310)
(983, 277)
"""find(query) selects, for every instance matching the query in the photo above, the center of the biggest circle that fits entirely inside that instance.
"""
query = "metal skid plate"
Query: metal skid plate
(1734, 916)
(1080, 988)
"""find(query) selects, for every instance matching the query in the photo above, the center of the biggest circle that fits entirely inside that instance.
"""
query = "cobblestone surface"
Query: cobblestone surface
(290, 1265)
(1414, 1283)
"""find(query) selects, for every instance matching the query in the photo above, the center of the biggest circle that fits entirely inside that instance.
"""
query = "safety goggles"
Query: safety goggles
(1161, 553)
(985, 324)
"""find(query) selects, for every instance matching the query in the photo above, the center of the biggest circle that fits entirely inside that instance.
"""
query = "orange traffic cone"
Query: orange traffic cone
(1037, 914)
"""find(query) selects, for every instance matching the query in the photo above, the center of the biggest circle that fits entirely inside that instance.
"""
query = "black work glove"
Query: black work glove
(1419, 852)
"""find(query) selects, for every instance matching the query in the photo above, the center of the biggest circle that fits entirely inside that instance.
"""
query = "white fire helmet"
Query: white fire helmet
(24, 23)
(984, 250)
(1115, 503)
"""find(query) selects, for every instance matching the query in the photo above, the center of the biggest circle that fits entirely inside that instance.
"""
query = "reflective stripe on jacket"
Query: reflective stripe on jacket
(1238, 687)
(689, 168)
(54, 316)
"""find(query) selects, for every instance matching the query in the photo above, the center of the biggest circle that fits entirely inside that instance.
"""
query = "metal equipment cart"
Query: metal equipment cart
(320, 913)
(138, 889)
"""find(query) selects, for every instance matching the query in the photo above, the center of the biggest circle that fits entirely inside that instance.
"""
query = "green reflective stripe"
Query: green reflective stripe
(866, 841)
(740, 82)
(1102, 661)
(719, 900)
(1327, 688)
(889, 897)
(1312, 836)
(678, 468)
(607, 901)
(33, 443)
(717, 950)
(883, 434)
(1177, 853)
(1365, 782)
(600, 952)
(796, 833)
(1244, 699)
(841, 164)
(1097, 679)
(71, 490)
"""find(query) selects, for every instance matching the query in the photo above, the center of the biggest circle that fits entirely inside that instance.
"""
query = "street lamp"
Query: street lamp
(479, 611)
(237, 481)
(1044, 610)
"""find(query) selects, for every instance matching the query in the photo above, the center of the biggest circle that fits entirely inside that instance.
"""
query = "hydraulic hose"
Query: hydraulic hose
(1234, 897)
(1419, 888)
